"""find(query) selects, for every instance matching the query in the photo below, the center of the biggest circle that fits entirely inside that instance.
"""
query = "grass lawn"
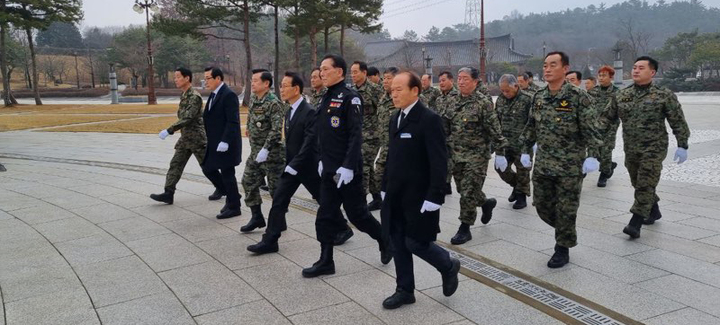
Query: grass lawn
(31, 121)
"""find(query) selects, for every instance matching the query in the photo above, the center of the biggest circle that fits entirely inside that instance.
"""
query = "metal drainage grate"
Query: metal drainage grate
(547, 297)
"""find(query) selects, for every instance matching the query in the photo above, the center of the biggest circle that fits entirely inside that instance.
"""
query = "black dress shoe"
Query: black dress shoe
(450, 279)
(399, 298)
(487, 209)
(462, 236)
(264, 247)
(257, 220)
(343, 237)
(165, 197)
(229, 213)
(654, 215)
(385, 253)
(633, 227)
(520, 202)
(560, 258)
(216, 195)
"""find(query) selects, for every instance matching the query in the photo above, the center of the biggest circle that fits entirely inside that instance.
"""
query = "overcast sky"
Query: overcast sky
(400, 15)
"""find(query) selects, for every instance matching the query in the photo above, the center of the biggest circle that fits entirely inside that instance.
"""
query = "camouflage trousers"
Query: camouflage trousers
(520, 179)
(254, 176)
(606, 149)
(178, 163)
(644, 170)
(450, 166)
(369, 152)
(380, 164)
(557, 200)
(469, 178)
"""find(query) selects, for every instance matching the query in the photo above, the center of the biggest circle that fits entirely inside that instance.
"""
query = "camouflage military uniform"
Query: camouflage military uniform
(602, 97)
(563, 125)
(474, 127)
(370, 93)
(533, 88)
(429, 97)
(513, 114)
(316, 96)
(264, 125)
(192, 140)
(386, 109)
(483, 89)
(446, 109)
(643, 111)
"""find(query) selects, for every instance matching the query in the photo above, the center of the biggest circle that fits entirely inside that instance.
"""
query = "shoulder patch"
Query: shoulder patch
(356, 101)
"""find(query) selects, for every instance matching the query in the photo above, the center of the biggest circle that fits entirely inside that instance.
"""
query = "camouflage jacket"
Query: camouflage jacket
(513, 114)
(190, 121)
(446, 109)
(482, 88)
(264, 125)
(429, 97)
(563, 126)
(316, 97)
(474, 128)
(533, 88)
(643, 111)
(370, 93)
(386, 109)
(602, 97)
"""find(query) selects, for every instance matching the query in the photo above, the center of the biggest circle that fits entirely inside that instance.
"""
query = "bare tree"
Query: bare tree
(637, 39)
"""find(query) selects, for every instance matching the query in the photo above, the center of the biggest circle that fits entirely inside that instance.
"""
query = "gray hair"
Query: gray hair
(510, 79)
(474, 73)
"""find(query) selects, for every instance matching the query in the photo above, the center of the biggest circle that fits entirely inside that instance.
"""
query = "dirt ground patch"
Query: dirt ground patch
(31, 121)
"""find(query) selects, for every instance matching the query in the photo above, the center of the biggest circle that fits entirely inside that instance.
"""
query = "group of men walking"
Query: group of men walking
(402, 141)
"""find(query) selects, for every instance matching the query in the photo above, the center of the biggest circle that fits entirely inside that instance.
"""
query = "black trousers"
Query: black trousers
(403, 249)
(286, 187)
(352, 197)
(225, 181)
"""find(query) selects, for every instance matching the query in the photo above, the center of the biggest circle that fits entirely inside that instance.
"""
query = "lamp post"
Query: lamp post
(483, 50)
(147, 6)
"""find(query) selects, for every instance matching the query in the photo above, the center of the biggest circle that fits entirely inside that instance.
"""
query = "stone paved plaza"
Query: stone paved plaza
(82, 243)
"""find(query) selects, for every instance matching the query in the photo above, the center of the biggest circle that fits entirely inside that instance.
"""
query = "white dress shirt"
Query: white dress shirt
(216, 93)
(406, 111)
(294, 106)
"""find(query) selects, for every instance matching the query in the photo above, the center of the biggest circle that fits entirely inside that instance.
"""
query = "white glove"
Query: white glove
(429, 207)
(320, 168)
(290, 170)
(535, 149)
(680, 155)
(222, 147)
(525, 160)
(590, 165)
(501, 163)
(163, 134)
(382, 195)
(346, 176)
(262, 155)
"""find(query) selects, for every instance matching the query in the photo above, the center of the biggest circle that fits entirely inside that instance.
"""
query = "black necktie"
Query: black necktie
(402, 117)
(212, 95)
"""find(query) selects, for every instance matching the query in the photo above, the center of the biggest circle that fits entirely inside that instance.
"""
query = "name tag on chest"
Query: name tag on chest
(405, 136)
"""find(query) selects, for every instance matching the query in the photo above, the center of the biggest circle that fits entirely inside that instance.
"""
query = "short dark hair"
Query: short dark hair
(264, 75)
(338, 62)
(474, 73)
(185, 72)
(362, 65)
(427, 74)
(651, 62)
(564, 58)
(591, 79)
(529, 74)
(296, 80)
(578, 74)
(414, 81)
(392, 70)
(373, 71)
(314, 69)
(447, 74)
(215, 72)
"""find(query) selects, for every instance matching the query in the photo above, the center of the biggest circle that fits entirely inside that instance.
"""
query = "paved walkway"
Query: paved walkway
(81, 243)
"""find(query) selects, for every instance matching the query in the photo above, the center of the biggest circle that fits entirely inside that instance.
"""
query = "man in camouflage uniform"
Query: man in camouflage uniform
(474, 128)
(603, 94)
(446, 109)
(386, 109)
(318, 90)
(563, 124)
(643, 109)
(374, 75)
(192, 140)
(267, 153)
(429, 93)
(370, 93)
(513, 107)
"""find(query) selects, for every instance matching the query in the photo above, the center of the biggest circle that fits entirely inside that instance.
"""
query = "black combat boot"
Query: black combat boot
(324, 266)
(513, 196)
(450, 278)
(265, 246)
(448, 189)
(654, 215)
(343, 236)
(560, 258)
(633, 228)
(602, 180)
(376, 202)
(487, 209)
(218, 194)
(257, 220)
(462, 236)
(521, 202)
(399, 298)
(612, 170)
(166, 197)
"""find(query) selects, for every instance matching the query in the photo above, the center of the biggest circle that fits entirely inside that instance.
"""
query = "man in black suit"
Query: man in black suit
(302, 158)
(224, 146)
(339, 132)
(414, 189)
